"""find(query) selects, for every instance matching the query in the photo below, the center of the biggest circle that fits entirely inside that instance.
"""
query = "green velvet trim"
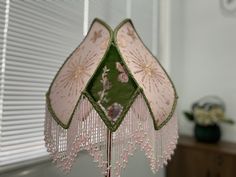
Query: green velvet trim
(113, 127)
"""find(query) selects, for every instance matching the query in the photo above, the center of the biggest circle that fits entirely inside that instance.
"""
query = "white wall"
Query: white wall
(203, 57)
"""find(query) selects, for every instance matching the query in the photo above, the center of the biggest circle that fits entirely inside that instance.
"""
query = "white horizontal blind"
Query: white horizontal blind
(2, 22)
(41, 34)
(2, 57)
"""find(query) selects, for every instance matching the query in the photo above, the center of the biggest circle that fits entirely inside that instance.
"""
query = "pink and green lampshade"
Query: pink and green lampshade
(110, 97)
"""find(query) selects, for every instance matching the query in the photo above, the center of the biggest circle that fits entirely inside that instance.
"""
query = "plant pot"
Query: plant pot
(208, 134)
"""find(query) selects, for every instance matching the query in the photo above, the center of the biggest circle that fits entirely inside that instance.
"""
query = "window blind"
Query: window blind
(41, 34)
(2, 22)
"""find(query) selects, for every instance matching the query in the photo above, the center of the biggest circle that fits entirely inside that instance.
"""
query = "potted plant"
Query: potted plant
(207, 113)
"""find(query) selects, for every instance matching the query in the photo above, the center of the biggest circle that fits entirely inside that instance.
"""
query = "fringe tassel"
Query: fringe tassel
(88, 132)
(137, 130)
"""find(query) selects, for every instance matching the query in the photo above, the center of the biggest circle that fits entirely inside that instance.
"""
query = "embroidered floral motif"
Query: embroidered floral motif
(77, 71)
(106, 85)
(148, 71)
(131, 33)
(96, 35)
(114, 111)
(122, 77)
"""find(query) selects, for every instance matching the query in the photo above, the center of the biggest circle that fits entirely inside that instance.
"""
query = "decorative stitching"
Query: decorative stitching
(113, 127)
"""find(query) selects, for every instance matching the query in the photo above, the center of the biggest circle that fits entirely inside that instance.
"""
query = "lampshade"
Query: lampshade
(110, 97)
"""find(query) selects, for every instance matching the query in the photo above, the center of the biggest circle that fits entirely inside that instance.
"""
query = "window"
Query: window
(35, 39)
(41, 34)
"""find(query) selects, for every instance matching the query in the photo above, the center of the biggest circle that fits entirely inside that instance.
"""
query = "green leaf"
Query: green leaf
(228, 121)
(189, 115)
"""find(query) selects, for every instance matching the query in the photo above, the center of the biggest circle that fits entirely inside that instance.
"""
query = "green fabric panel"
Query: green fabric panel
(119, 92)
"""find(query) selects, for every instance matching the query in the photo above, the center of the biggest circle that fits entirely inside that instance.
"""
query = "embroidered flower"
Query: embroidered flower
(96, 35)
(114, 111)
(122, 77)
(106, 85)
(131, 33)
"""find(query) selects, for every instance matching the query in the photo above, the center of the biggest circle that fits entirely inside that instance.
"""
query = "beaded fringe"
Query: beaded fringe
(88, 132)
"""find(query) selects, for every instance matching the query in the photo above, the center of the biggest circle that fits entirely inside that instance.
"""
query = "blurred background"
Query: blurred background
(194, 40)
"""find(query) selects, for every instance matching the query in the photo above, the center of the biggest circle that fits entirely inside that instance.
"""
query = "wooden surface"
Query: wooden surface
(194, 159)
